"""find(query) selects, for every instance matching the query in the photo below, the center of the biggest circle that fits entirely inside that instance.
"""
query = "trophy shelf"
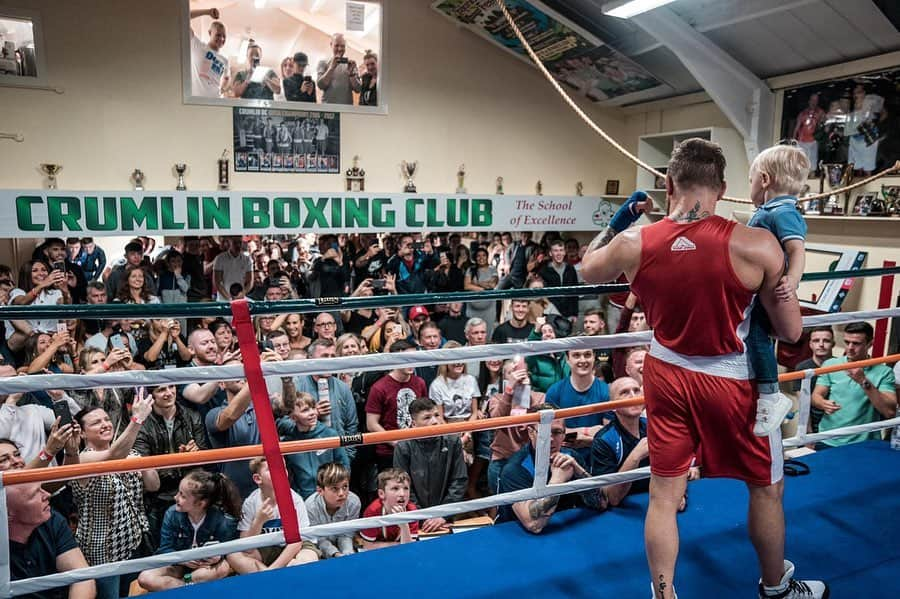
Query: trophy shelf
(743, 216)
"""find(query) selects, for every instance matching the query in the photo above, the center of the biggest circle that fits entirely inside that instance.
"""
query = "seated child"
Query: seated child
(301, 423)
(333, 501)
(393, 498)
(776, 176)
(436, 466)
(260, 515)
(204, 513)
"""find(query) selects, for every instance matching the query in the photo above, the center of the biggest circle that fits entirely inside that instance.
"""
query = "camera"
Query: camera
(378, 283)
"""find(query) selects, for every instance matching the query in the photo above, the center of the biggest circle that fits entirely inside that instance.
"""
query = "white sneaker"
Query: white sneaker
(796, 589)
(771, 410)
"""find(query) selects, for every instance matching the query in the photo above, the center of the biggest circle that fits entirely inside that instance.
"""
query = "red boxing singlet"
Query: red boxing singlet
(692, 298)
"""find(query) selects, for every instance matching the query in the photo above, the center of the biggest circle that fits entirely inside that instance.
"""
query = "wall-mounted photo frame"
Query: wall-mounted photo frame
(612, 187)
(283, 55)
(853, 120)
(22, 56)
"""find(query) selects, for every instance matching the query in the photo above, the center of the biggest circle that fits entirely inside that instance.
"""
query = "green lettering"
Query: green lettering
(457, 217)
(193, 212)
(24, 219)
(256, 214)
(217, 212)
(356, 212)
(482, 213)
(167, 209)
(431, 216)
(63, 213)
(96, 219)
(315, 213)
(143, 215)
(336, 212)
(292, 219)
(411, 219)
(382, 215)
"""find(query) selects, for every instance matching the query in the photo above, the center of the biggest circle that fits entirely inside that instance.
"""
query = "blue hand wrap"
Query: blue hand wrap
(628, 212)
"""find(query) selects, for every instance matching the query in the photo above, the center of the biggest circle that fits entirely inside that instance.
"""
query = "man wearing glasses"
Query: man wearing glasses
(325, 326)
(519, 471)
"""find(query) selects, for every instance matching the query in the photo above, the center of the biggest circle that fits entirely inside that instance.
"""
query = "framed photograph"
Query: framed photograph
(660, 182)
(326, 54)
(268, 138)
(612, 187)
(854, 120)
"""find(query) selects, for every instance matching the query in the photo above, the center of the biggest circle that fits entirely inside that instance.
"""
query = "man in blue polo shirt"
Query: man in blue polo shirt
(581, 388)
(518, 474)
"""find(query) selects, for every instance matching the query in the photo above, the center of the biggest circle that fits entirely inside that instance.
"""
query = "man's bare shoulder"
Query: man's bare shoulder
(752, 241)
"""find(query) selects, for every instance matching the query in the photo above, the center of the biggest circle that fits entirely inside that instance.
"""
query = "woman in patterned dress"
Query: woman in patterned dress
(111, 519)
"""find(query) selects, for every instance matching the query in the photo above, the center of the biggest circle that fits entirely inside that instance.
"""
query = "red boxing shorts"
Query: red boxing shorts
(690, 412)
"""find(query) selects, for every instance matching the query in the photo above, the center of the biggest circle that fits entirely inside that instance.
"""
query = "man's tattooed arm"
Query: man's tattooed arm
(602, 239)
(542, 508)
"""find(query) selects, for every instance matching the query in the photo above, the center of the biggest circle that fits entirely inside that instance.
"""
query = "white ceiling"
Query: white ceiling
(770, 37)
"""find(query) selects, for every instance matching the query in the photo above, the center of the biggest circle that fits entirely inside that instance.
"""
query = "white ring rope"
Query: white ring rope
(368, 362)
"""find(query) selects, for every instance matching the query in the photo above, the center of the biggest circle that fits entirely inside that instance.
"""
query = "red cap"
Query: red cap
(417, 311)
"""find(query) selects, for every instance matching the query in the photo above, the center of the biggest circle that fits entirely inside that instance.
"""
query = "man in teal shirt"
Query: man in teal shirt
(858, 395)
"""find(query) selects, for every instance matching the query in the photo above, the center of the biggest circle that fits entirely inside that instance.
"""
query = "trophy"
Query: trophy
(579, 188)
(51, 171)
(891, 195)
(356, 177)
(180, 168)
(409, 170)
(539, 188)
(499, 190)
(223, 169)
(838, 175)
(137, 179)
(461, 179)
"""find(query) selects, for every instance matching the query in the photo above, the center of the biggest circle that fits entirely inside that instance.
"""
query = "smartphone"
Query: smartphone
(378, 283)
(343, 60)
(570, 437)
(307, 79)
(267, 344)
(61, 327)
(254, 62)
(335, 247)
(60, 266)
(61, 411)
(418, 245)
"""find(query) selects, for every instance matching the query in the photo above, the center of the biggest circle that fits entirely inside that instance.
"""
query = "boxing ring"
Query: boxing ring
(577, 554)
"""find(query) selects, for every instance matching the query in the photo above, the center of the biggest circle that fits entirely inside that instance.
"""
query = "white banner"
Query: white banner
(61, 213)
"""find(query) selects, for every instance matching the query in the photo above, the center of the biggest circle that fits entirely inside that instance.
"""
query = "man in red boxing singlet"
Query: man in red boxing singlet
(697, 276)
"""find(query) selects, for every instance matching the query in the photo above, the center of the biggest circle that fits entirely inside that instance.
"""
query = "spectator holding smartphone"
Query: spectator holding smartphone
(369, 80)
(338, 77)
(38, 286)
(300, 87)
(255, 82)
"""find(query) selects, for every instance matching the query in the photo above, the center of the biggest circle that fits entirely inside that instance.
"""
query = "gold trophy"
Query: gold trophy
(409, 170)
(539, 188)
(499, 190)
(51, 170)
(579, 188)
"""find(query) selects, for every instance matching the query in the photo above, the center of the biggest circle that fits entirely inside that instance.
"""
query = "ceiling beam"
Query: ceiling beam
(744, 98)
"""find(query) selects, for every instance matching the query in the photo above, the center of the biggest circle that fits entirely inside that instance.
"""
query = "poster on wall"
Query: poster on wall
(286, 141)
(855, 120)
(576, 58)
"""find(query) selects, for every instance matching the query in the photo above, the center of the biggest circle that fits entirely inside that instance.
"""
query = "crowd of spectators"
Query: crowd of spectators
(114, 517)
(337, 79)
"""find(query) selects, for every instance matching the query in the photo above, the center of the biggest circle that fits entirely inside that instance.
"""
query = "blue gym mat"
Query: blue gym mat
(843, 526)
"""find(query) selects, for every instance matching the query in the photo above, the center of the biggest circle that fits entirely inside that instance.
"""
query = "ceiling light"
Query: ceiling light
(625, 9)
